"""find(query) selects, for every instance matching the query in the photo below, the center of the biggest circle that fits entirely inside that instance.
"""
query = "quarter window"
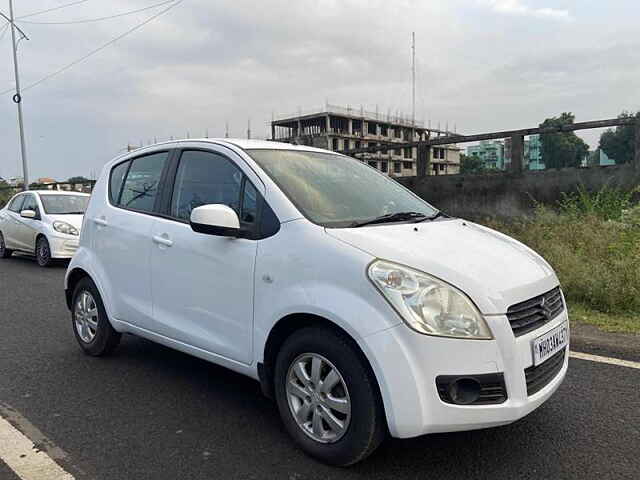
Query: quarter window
(205, 178)
(141, 186)
(30, 203)
(116, 181)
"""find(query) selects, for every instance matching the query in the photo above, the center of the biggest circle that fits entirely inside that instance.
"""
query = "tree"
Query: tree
(619, 144)
(564, 149)
(471, 164)
(78, 180)
(6, 192)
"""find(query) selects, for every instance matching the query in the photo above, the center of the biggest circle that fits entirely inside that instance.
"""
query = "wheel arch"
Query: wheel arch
(291, 323)
(73, 277)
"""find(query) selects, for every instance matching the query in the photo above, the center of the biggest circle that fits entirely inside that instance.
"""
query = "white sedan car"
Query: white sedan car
(43, 223)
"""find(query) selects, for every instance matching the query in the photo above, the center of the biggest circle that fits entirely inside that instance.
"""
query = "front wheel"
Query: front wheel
(327, 397)
(91, 326)
(4, 251)
(43, 252)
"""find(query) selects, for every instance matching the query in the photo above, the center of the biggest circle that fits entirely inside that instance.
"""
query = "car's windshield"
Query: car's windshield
(334, 190)
(64, 204)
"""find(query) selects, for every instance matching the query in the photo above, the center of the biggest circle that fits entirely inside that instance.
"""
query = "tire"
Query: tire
(89, 320)
(43, 252)
(364, 424)
(4, 251)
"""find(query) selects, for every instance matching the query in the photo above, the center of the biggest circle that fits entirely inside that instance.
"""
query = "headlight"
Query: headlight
(64, 227)
(428, 305)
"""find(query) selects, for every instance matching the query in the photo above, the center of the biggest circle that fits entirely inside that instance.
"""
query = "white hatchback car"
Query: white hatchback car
(44, 223)
(358, 306)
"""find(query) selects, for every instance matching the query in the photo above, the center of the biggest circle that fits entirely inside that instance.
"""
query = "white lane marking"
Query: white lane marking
(23, 457)
(609, 360)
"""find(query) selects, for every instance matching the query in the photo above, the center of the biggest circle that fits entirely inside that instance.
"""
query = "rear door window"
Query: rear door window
(142, 184)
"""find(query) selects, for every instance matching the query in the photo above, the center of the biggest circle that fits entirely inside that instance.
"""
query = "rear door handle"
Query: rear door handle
(100, 221)
(162, 240)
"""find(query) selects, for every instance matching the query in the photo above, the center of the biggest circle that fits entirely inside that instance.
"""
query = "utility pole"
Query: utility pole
(413, 79)
(17, 98)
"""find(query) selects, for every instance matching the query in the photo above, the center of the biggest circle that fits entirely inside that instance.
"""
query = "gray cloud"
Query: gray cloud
(206, 63)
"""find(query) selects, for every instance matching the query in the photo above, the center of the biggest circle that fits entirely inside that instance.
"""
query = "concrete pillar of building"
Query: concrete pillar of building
(350, 126)
(424, 160)
(327, 124)
(517, 153)
(299, 132)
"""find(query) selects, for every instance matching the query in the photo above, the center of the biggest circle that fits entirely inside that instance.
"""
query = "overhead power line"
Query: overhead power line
(100, 48)
(59, 7)
(99, 19)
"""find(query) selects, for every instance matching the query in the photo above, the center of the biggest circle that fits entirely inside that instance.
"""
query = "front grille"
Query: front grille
(534, 313)
(538, 377)
(492, 388)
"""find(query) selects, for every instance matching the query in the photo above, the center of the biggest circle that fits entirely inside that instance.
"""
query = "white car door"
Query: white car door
(121, 232)
(30, 227)
(203, 284)
(11, 225)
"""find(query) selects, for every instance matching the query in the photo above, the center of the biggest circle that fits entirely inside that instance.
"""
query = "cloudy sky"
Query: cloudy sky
(482, 65)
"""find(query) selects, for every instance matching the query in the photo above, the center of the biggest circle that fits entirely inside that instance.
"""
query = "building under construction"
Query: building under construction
(339, 129)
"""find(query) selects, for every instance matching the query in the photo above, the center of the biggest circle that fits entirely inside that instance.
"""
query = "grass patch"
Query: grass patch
(608, 322)
(592, 240)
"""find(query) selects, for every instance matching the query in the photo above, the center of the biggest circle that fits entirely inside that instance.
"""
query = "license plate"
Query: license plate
(550, 343)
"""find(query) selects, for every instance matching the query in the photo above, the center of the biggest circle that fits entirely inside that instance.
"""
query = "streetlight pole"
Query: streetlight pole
(17, 98)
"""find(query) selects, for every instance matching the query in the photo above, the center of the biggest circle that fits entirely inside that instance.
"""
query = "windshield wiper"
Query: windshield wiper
(391, 217)
(433, 217)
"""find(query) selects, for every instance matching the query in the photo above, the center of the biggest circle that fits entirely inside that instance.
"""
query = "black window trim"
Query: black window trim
(161, 186)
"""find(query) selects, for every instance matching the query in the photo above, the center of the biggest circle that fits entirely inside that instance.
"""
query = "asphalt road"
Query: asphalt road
(152, 413)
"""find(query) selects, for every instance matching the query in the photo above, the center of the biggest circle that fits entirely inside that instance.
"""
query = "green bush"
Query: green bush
(593, 243)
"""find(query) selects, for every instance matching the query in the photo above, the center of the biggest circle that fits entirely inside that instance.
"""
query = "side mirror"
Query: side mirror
(217, 219)
(28, 214)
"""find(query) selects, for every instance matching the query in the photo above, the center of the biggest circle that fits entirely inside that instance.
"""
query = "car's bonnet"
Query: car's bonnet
(493, 269)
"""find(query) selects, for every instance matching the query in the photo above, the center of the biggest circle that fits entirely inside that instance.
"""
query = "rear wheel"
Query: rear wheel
(43, 252)
(91, 326)
(327, 397)
(4, 251)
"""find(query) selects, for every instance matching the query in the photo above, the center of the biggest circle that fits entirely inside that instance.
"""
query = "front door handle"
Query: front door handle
(100, 221)
(162, 240)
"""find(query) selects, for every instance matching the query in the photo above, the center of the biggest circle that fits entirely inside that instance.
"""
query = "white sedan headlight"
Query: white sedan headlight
(427, 304)
(64, 227)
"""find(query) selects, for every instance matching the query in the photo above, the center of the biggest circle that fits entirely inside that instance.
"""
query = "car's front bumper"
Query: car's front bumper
(63, 246)
(407, 365)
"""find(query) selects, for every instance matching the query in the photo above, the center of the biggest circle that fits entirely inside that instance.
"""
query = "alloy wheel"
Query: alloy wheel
(318, 398)
(86, 316)
(44, 253)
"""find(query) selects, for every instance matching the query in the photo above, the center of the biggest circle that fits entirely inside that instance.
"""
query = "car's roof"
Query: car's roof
(243, 143)
(57, 192)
